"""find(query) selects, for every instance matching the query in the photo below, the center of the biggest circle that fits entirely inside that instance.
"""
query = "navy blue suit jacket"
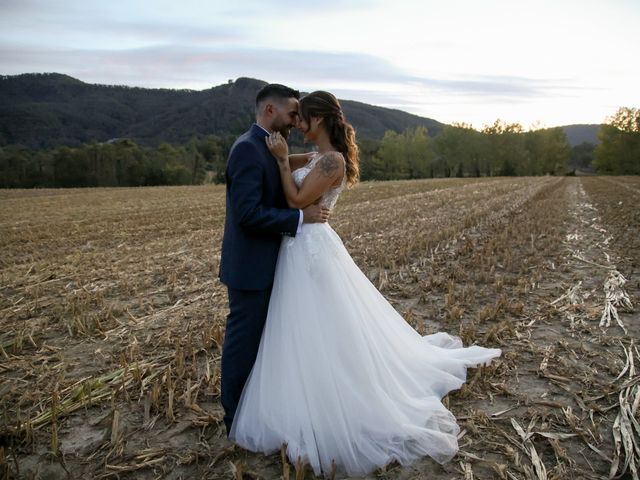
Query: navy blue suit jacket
(257, 215)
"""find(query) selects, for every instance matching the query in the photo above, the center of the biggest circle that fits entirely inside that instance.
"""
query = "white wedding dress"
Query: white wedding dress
(340, 376)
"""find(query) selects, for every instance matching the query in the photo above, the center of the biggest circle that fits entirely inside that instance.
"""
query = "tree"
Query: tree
(626, 119)
(619, 150)
(71, 168)
(459, 150)
(505, 148)
(401, 156)
(418, 151)
(582, 156)
(548, 152)
(12, 167)
(391, 161)
(368, 152)
(197, 164)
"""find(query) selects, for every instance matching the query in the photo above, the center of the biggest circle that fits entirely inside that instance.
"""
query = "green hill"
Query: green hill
(50, 109)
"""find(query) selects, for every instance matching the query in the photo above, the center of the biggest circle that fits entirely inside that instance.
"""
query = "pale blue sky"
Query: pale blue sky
(554, 62)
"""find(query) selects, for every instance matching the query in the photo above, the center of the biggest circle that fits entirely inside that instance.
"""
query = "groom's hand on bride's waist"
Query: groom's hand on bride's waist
(315, 214)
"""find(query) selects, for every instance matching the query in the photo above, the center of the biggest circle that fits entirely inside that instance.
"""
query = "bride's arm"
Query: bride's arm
(324, 174)
(298, 160)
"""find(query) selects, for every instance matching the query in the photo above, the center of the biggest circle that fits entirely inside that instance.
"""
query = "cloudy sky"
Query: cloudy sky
(552, 62)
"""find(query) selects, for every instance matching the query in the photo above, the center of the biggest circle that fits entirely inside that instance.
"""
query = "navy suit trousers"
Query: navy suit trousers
(247, 315)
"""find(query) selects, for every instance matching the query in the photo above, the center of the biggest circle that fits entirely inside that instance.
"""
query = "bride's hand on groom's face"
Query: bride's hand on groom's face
(278, 147)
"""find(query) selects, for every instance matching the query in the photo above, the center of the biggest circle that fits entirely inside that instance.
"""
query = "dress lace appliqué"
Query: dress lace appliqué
(330, 197)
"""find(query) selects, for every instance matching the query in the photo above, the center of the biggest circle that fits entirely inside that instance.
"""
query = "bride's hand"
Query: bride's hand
(278, 147)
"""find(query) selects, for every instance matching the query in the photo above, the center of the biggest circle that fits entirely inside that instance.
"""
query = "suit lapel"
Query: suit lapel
(270, 163)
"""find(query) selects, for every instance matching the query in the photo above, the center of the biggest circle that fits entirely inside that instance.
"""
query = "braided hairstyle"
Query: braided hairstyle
(341, 133)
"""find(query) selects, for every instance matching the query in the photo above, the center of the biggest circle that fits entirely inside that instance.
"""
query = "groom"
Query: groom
(256, 218)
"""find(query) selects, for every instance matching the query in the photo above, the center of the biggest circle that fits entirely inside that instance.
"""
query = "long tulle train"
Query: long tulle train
(340, 376)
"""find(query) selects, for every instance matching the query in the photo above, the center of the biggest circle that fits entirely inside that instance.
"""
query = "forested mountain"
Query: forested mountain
(50, 110)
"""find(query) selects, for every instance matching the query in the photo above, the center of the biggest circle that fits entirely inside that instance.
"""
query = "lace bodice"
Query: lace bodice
(330, 197)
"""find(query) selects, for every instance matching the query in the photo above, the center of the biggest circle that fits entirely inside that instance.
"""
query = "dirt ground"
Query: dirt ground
(112, 319)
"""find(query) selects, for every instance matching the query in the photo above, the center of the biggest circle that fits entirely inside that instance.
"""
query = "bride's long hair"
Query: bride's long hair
(341, 133)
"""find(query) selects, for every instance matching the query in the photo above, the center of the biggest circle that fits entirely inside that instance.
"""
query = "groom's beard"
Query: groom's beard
(284, 131)
(283, 128)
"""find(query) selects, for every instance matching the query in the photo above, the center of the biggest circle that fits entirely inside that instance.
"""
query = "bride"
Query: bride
(340, 376)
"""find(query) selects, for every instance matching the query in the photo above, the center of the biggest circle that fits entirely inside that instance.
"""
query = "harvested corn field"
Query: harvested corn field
(112, 320)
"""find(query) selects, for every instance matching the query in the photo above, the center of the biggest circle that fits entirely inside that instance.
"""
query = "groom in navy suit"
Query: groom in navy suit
(257, 216)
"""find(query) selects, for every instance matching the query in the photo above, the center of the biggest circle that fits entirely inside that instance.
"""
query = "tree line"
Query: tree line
(618, 152)
(117, 163)
(500, 149)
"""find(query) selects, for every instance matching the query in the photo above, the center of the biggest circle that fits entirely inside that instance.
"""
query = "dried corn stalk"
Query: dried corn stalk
(626, 428)
(572, 297)
(539, 469)
(85, 392)
(615, 297)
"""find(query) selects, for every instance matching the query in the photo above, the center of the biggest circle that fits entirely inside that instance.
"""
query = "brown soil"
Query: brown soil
(112, 319)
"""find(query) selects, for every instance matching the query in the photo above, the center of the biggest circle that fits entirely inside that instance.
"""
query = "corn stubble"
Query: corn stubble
(112, 316)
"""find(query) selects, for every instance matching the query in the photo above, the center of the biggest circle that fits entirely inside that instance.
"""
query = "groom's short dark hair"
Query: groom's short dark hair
(275, 90)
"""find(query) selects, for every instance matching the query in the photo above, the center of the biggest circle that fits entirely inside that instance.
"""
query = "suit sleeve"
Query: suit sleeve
(245, 179)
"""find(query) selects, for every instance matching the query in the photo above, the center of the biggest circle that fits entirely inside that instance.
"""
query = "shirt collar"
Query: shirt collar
(262, 128)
